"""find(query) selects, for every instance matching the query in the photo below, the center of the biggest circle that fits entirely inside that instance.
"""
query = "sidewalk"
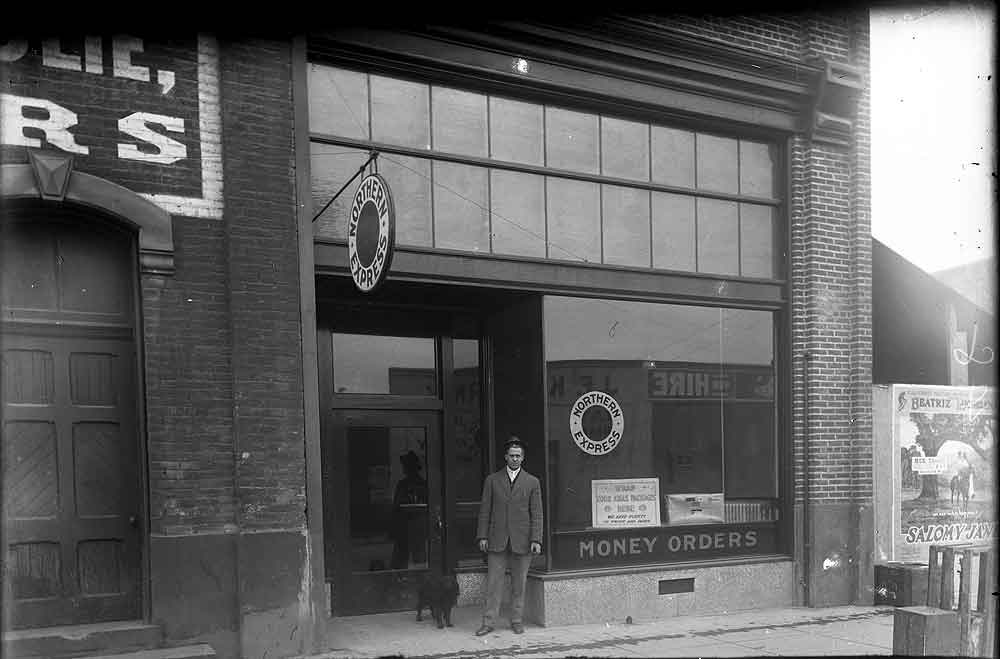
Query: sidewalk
(843, 630)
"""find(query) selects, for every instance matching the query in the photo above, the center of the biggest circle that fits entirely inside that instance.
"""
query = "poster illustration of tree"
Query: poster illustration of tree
(945, 486)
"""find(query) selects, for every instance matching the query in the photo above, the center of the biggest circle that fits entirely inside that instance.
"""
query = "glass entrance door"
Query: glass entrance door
(391, 528)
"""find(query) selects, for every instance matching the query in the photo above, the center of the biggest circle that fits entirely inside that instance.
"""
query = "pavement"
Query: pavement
(798, 631)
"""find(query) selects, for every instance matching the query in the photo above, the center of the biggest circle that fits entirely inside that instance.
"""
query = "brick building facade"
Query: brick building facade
(261, 490)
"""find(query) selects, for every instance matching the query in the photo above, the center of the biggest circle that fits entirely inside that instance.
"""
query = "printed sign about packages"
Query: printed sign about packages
(625, 503)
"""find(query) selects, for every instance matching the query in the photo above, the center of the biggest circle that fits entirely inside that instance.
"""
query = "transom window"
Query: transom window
(487, 174)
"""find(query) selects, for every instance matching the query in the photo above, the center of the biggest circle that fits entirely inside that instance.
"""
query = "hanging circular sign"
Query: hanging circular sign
(591, 445)
(371, 233)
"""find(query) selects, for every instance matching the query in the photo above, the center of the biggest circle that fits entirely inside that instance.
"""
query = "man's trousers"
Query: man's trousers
(497, 563)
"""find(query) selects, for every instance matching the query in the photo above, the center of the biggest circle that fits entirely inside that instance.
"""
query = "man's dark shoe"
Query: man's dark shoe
(517, 627)
(484, 630)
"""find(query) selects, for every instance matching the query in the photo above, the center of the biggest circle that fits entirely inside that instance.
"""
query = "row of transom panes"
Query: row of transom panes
(487, 174)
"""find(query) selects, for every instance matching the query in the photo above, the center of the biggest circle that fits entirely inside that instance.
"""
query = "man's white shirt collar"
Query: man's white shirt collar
(512, 473)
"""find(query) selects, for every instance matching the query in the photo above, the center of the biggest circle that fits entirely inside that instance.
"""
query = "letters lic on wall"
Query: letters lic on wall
(143, 114)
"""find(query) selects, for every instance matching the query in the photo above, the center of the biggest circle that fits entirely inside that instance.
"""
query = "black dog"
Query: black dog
(439, 594)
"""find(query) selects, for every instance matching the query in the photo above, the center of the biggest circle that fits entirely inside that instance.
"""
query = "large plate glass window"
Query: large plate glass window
(696, 388)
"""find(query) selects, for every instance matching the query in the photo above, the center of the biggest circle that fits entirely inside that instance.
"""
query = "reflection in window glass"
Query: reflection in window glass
(338, 102)
(574, 220)
(398, 365)
(626, 225)
(756, 241)
(459, 121)
(461, 200)
(673, 232)
(757, 166)
(695, 385)
(673, 156)
(516, 131)
(717, 163)
(718, 237)
(571, 140)
(330, 168)
(518, 220)
(387, 497)
(624, 149)
(400, 112)
(469, 456)
(410, 184)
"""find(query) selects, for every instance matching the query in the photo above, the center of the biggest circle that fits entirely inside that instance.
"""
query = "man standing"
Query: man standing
(510, 531)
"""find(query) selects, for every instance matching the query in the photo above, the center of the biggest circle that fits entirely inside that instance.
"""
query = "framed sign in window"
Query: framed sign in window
(625, 503)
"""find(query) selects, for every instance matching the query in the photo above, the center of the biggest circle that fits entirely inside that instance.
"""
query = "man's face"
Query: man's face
(514, 456)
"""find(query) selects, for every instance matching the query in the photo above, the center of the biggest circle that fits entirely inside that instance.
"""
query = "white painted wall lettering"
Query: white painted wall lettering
(52, 55)
(168, 150)
(56, 126)
(93, 54)
(123, 48)
(13, 50)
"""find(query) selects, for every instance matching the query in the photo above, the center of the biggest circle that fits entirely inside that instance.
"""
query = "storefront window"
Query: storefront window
(461, 203)
(470, 459)
(681, 416)
(475, 172)
(397, 365)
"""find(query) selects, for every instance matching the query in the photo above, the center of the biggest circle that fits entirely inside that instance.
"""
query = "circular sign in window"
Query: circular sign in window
(371, 233)
(596, 401)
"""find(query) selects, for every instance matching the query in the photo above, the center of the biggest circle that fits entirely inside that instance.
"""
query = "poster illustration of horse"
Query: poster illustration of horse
(944, 477)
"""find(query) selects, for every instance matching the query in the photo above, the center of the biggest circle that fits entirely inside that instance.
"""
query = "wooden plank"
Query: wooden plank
(947, 579)
(988, 603)
(933, 575)
(964, 588)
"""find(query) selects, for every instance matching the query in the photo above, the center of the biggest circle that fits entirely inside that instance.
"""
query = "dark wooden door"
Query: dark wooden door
(385, 468)
(71, 481)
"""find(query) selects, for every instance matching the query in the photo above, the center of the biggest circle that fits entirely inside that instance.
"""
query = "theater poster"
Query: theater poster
(944, 467)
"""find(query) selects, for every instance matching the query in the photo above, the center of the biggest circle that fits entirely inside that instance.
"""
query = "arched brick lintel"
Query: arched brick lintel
(156, 242)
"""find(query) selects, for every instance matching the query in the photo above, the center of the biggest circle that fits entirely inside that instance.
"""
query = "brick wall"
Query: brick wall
(222, 335)
(831, 289)
(262, 255)
(775, 34)
(189, 403)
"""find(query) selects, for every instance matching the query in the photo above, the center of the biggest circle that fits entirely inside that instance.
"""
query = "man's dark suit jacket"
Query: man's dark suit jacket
(511, 512)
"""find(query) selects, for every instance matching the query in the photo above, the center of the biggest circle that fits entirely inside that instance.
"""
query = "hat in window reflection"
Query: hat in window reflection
(410, 460)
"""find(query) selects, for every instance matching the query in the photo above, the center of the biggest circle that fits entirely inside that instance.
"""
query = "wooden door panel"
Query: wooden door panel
(28, 377)
(97, 461)
(31, 485)
(71, 480)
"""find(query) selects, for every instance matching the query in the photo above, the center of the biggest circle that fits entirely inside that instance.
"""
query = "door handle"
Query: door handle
(133, 521)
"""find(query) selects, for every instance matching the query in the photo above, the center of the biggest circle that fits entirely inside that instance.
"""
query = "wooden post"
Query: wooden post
(987, 603)
(947, 579)
(964, 588)
(933, 576)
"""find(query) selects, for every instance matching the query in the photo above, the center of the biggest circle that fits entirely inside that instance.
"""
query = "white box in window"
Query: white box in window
(695, 508)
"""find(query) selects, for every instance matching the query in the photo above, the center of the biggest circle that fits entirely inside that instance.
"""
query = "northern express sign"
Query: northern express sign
(143, 114)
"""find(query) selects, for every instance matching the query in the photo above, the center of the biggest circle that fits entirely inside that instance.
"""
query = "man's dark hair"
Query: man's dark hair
(514, 441)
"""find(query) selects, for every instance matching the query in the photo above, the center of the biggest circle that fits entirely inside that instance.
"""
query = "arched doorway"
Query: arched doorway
(72, 490)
